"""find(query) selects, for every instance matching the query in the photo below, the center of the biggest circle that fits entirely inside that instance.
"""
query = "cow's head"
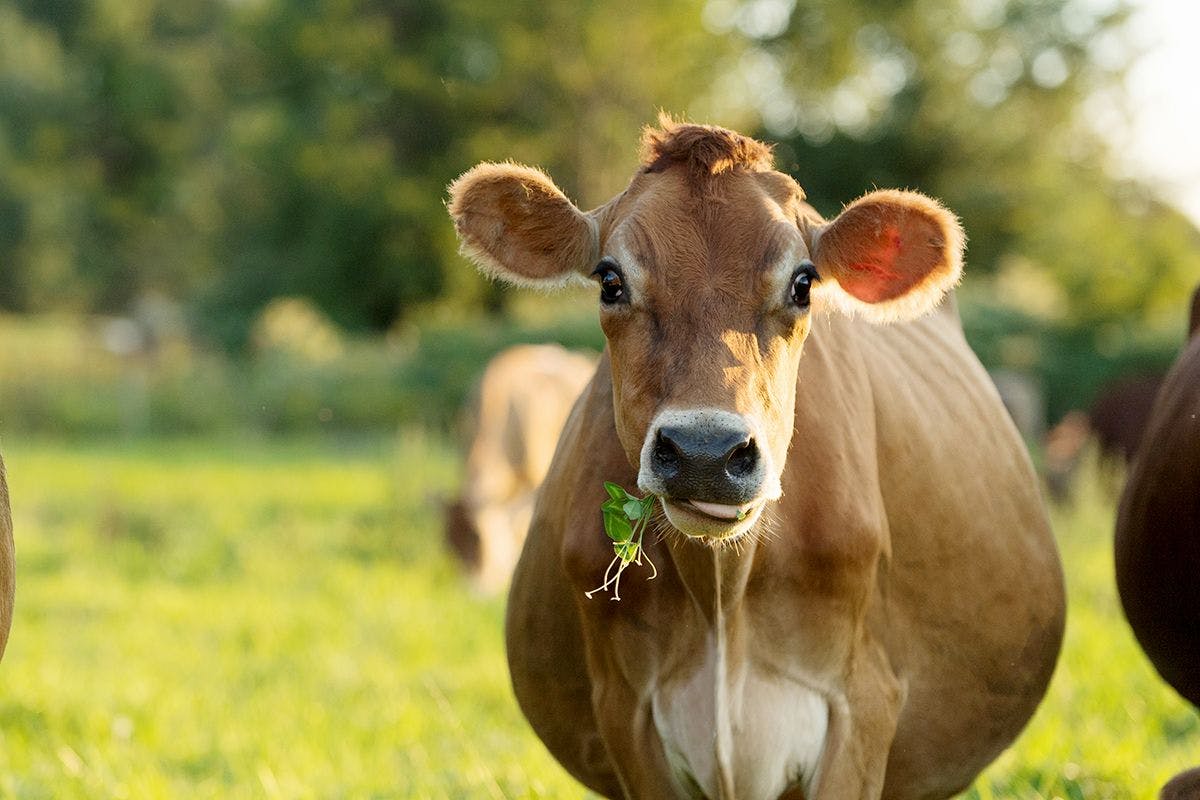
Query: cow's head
(709, 268)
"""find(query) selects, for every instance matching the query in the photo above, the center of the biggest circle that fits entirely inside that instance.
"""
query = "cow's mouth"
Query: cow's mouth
(714, 521)
(718, 511)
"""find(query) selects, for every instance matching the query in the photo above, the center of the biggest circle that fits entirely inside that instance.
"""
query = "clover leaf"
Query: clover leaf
(625, 519)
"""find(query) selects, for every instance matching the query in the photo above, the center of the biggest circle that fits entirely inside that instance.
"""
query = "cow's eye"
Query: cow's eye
(612, 285)
(802, 281)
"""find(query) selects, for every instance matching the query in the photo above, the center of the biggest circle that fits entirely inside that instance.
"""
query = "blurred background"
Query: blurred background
(236, 340)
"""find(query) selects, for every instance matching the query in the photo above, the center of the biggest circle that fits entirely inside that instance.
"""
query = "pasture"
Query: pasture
(254, 618)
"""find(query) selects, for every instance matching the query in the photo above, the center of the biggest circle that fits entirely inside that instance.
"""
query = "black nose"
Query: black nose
(715, 464)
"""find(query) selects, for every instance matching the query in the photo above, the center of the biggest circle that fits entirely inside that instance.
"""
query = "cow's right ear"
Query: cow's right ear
(893, 255)
(515, 224)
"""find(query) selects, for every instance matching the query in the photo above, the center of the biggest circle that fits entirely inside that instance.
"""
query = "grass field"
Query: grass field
(234, 619)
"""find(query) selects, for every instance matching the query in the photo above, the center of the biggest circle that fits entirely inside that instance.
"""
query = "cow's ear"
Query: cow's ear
(516, 225)
(893, 254)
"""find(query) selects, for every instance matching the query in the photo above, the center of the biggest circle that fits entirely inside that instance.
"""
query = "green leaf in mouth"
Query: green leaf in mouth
(625, 519)
(617, 527)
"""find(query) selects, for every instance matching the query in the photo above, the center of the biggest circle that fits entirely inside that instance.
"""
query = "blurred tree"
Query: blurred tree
(348, 119)
(230, 153)
(332, 165)
(992, 105)
(98, 132)
(224, 153)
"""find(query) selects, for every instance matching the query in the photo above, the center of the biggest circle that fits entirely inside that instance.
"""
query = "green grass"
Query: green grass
(251, 618)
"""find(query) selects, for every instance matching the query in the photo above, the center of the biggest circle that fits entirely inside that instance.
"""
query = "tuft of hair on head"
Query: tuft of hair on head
(705, 150)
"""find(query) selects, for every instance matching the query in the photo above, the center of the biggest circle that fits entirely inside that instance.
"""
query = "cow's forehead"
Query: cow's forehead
(746, 223)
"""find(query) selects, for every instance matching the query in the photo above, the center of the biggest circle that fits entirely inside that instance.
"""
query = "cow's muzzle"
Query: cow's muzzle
(717, 465)
(708, 467)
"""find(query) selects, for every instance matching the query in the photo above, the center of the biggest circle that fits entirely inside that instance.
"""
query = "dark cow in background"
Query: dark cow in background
(6, 562)
(512, 426)
(1120, 413)
(1158, 536)
(1116, 422)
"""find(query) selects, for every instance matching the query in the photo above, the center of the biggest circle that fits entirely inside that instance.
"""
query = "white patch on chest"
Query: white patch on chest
(753, 733)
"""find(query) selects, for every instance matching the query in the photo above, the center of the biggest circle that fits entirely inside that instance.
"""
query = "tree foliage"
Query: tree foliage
(989, 105)
(224, 153)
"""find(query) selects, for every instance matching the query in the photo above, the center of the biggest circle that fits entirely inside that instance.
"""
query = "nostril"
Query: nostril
(666, 453)
(742, 459)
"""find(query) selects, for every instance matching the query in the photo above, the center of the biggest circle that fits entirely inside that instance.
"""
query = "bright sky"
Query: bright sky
(1164, 86)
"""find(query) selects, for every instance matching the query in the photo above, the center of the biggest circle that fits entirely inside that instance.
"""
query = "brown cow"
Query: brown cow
(1157, 543)
(7, 570)
(520, 406)
(858, 595)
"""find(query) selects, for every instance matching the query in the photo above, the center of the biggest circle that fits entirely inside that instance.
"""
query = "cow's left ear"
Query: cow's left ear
(893, 254)
(516, 225)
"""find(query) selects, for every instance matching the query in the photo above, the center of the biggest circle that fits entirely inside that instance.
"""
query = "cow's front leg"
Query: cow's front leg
(860, 731)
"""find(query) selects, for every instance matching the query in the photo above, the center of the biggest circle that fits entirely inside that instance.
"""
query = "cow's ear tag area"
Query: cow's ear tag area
(516, 225)
(893, 254)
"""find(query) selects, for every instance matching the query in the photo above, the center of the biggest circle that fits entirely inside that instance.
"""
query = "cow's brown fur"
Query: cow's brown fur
(906, 577)
(705, 151)
(508, 213)
(7, 567)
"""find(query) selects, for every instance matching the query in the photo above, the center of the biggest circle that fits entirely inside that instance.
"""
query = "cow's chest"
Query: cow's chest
(730, 730)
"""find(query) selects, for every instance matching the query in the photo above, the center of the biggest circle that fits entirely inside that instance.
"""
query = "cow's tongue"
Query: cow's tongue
(717, 509)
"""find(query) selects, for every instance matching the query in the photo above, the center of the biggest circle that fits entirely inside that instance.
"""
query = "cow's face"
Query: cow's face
(709, 267)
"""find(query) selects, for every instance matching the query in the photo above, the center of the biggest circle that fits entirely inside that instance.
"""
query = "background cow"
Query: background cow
(1062, 451)
(1116, 422)
(7, 577)
(858, 595)
(511, 427)
(1120, 414)
(1157, 544)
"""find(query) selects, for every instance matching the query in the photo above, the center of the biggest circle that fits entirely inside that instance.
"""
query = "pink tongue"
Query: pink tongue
(715, 509)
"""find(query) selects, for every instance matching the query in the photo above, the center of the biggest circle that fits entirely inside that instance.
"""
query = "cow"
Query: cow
(7, 567)
(1157, 541)
(1062, 452)
(1115, 421)
(857, 592)
(1119, 416)
(512, 425)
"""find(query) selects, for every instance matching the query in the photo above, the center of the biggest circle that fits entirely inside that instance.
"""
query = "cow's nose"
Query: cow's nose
(709, 463)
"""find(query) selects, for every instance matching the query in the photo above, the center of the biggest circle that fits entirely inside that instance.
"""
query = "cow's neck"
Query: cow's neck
(715, 579)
